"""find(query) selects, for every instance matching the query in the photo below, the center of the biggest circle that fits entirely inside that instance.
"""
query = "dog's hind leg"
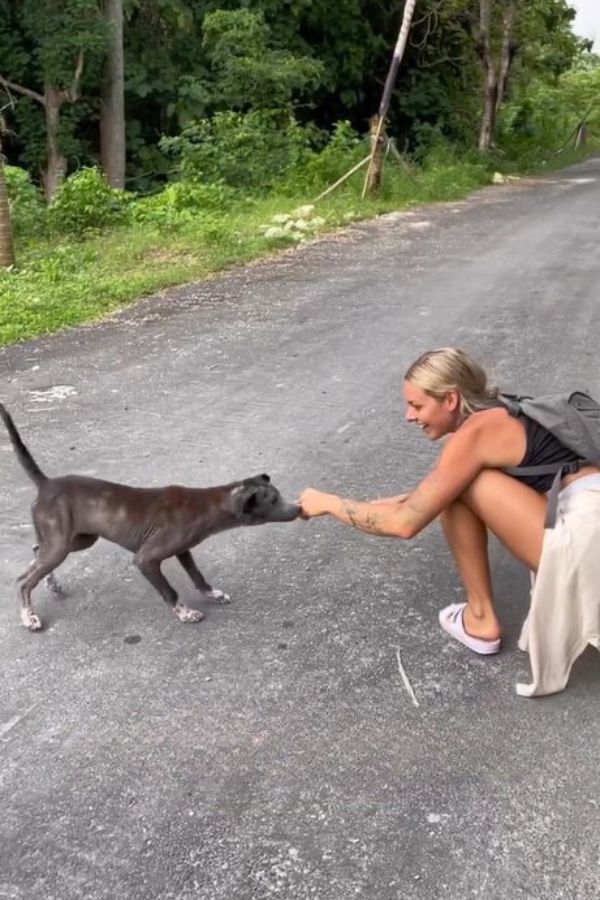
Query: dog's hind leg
(46, 561)
(51, 581)
(79, 542)
(187, 561)
(150, 569)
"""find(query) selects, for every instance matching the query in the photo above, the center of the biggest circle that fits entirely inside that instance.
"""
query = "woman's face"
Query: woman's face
(436, 417)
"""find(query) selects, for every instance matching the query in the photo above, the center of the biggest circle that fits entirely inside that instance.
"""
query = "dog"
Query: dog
(71, 512)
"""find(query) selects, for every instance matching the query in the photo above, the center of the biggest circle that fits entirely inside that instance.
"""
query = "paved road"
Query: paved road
(272, 750)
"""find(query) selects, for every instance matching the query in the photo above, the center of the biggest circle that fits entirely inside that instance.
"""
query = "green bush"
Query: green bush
(182, 203)
(85, 201)
(343, 149)
(27, 207)
(249, 70)
(250, 151)
(542, 119)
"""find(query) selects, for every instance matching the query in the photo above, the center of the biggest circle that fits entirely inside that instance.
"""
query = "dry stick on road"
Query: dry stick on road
(404, 677)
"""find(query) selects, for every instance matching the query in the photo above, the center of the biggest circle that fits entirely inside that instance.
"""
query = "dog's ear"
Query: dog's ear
(245, 497)
(249, 503)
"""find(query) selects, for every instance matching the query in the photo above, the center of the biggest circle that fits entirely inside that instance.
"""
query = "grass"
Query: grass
(66, 281)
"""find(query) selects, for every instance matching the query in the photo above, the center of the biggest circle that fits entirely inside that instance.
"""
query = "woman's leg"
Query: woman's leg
(515, 514)
(467, 538)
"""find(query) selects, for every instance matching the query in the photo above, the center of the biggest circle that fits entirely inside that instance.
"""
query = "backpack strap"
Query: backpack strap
(525, 471)
(552, 507)
(512, 403)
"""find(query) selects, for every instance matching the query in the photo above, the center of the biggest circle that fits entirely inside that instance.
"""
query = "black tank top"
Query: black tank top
(542, 448)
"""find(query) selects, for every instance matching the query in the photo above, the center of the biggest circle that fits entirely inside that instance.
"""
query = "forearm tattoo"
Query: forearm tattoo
(366, 520)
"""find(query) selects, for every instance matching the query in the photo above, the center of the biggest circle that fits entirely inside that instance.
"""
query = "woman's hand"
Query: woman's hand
(313, 503)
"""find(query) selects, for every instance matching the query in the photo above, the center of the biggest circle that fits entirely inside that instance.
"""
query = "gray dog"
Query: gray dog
(71, 512)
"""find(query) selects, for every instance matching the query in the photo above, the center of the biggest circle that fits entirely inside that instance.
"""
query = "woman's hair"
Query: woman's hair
(449, 369)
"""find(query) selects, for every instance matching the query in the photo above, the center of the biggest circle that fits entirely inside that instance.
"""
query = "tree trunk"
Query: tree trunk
(7, 256)
(488, 120)
(374, 171)
(56, 164)
(506, 54)
(52, 100)
(581, 136)
(496, 70)
(112, 110)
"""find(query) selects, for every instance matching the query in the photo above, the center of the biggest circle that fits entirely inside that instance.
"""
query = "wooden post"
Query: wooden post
(373, 181)
(7, 255)
(581, 135)
(377, 125)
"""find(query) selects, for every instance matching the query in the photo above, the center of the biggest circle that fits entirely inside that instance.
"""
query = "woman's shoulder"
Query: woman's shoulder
(499, 437)
(493, 425)
(484, 419)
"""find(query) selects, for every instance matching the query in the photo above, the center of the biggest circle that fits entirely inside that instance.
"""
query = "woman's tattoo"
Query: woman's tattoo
(370, 522)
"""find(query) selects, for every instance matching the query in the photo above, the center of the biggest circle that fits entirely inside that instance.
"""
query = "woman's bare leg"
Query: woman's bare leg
(515, 514)
(467, 537)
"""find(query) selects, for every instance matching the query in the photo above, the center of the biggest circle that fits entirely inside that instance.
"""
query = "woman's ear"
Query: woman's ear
(453, 400)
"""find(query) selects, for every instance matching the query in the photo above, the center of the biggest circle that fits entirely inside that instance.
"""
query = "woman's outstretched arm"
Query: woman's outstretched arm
(459, 463)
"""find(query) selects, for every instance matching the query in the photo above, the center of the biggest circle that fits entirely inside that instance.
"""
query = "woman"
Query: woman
(446, 393)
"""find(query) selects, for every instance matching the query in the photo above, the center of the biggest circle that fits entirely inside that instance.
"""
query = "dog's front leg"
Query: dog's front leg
(187, 561)
(150, 569)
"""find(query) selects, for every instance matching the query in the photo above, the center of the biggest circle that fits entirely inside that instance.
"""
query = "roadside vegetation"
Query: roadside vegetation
(230, 168)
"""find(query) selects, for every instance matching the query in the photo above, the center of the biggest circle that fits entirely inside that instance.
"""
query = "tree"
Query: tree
(52, 43)
(7, 256)
(472, 51)
(112, 107)
(535, 36)
(495, 47)
(246, 71)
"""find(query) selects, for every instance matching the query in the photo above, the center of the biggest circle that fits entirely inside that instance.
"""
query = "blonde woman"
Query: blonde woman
(447, 395)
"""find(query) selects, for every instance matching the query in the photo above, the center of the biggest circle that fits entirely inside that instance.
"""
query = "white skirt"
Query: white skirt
(564, 615)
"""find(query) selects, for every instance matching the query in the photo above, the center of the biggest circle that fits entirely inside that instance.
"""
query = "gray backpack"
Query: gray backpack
(574, 419)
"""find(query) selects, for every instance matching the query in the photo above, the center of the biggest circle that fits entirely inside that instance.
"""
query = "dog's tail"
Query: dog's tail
(25, 457)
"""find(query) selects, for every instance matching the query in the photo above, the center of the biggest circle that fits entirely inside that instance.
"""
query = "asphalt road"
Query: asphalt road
(273, 750)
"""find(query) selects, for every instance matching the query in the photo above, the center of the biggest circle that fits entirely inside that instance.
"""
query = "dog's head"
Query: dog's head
(257, 501)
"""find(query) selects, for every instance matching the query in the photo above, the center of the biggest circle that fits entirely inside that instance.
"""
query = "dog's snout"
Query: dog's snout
(286, 512)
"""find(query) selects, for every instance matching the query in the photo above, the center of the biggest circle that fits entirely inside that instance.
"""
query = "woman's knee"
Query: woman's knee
(513, 511)
(491, 484)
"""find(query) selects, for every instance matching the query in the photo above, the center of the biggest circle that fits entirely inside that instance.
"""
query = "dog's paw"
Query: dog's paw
(54, 586)
(185, 614)
(219, 596)
(30, 620)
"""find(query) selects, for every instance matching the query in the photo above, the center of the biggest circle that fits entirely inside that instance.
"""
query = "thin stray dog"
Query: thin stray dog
(71, 512)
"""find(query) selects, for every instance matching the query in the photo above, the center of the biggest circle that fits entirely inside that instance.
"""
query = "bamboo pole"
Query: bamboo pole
(341, 180)
(376, 143)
